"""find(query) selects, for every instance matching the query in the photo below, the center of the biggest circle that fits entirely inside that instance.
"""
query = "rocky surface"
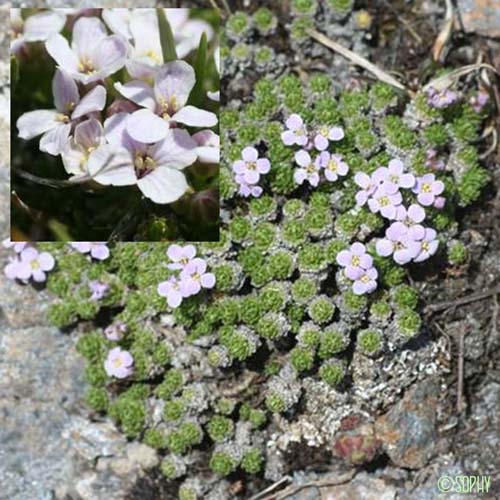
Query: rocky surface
(481, 16)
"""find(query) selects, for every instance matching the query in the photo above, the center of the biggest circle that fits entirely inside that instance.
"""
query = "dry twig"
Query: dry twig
(460, 302)
(273, 486)
(445, 81)
(293, 489)
(356, 59)
(444, 33)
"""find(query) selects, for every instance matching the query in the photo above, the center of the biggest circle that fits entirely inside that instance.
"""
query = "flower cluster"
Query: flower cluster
(406, 239)
(358, 267)
(332, 165)
(28, 263)
(441, 98)
(119, 363)
(248, 171)
(96, 250)
(143, 140)
(192, 275)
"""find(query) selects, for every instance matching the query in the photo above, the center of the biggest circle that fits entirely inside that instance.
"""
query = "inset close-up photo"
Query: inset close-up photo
(340, 339)
(114, 124)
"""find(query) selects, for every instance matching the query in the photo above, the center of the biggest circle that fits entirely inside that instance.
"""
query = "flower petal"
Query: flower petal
(89, 133)
(110, 55)
(195, 117)
(118, 21)
(208, 280)
(65, 91)
(302, 158)
(294, 122)
(163, 185)
(95, 100)
(58, 48)
(146, 34)
(249, 154)
(139, 92)
(177, 150)
(208, 154)
(40, 26)
(55, 141)
(112, 165)
(46, 261)
(174, 82)
(87, 34)
(34, 123)
(144, 126)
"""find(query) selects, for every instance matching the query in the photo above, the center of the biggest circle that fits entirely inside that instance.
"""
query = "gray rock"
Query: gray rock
(408, 430)
(143, 455)
(362, 486)
(94, 439)
(481, 16)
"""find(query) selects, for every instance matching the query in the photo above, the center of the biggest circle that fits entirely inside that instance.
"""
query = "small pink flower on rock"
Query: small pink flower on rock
(194, 277)
(245, 189)
(180, 255)
(99, 290)
(410, 219)
(366, 282)
(385, 203)
(368, 186)
(251, 166)
(394, 177)
(309, 170)
(296, 133)
(398, 243)
(171, 290)
(355, 260)
(33, 264)
(97, 250)
(428, 245)
(325, 135)
(115, 331)
(333, 165)
(119, 363)
(427, 189)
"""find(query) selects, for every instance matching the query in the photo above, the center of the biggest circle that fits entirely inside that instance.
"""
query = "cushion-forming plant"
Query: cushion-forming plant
(201, 350)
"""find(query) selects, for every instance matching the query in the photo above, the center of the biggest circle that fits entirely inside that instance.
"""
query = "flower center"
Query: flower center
(168, 108)
(35, 265)
(332, 165)
(86, 66)
(144, 164)
(300, 131)
(394, 179)
(384, 201)
(425, 245)
(355, 261)
(153, 55)
(324, 131)
(365, 278)
(251, 165)
(117, 363)
(85, 156)
(61, 117)
(426, 187)
(310, 169)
